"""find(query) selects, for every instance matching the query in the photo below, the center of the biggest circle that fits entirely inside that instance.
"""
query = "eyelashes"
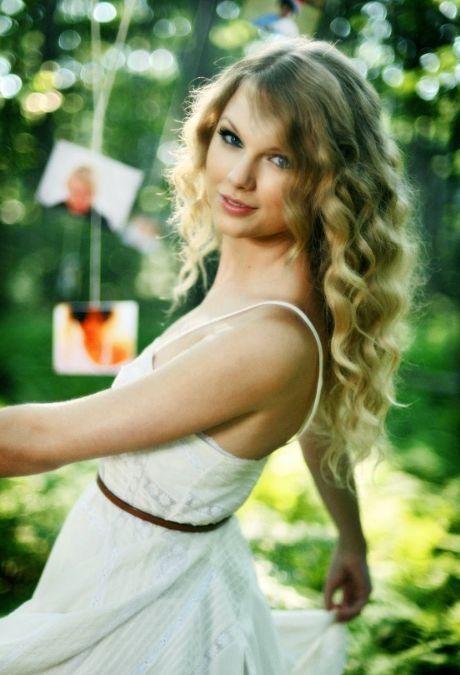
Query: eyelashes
(284, 163)
(230, 138)
(226, 133)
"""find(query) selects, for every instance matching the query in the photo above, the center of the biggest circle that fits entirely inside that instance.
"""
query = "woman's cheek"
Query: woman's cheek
(215, 165)
(273, 189)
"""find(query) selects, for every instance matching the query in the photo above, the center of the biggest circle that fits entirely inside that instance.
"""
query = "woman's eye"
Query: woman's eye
(232, 139)
(229, 137)
(282, 162)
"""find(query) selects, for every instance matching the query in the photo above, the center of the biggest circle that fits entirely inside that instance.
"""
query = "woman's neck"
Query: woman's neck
(250, 271)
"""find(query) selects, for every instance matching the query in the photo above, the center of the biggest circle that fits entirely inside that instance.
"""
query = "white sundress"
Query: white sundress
(121, 596)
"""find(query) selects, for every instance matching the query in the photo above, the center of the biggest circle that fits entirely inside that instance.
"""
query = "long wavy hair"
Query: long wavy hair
(348, 208)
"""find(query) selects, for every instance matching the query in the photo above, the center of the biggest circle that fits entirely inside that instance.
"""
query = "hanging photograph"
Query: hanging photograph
(94, 339)
(87, 183)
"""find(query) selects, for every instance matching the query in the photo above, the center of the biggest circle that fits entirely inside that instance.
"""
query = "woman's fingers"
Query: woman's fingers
(354, 583)
(334, 581)
(354, 598)
(348, 612)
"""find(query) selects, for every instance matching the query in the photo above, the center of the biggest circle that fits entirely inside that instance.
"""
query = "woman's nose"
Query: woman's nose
(242, 174)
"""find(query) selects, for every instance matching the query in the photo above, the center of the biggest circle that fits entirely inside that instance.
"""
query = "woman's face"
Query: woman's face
(247, 172)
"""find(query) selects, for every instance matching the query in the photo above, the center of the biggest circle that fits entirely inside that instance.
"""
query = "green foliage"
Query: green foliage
(412, 623)
(32, 510)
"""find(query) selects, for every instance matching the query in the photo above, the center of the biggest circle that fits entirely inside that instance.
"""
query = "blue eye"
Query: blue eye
(284, 162)
(229, 137)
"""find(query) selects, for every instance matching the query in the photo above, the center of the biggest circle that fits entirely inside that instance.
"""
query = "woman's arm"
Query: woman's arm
(341, 503)
(348, 570)
(22, 441)
(216, 380)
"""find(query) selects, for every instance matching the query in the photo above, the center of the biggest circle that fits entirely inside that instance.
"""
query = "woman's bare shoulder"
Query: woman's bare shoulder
(288, 330)
(240, 371)
(282, 359)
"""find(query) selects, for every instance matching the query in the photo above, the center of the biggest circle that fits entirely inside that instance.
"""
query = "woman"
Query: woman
(287, 173)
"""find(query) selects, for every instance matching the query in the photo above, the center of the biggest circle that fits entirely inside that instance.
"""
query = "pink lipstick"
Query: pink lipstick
(234, 207)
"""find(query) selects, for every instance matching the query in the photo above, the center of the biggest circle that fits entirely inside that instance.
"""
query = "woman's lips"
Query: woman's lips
(235, 208)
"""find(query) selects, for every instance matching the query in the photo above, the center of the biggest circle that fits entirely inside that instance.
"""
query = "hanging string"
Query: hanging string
(95, 232)
(102, 99)
(100, 103)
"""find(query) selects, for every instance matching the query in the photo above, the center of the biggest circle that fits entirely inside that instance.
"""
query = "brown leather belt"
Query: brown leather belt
(156, 520)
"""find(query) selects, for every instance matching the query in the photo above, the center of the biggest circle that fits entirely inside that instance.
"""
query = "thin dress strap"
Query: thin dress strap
(281, 303)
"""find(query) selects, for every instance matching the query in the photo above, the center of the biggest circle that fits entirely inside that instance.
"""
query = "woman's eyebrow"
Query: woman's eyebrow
(272, 149)
(231, 124)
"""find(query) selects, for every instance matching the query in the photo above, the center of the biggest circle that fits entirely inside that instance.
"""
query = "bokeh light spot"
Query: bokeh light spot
(5, 66)
(163, 63)
(74, 9)
(448, 80)
(10, 85)
(341, 27)
(39, 103)
(12, 7)
(32, 40)
(393, 76)
(228, 10)
(441, 166)
(430, 62)
(25, 143)
(69, 39)
(164, 28)
(448, 32)
(449, 9)
(71, 64)
(232, 35)
(150, 109)
(104, 12)
(424, 126)
(53, 101)
(427, 88)
(43, 80)
(64, 78)
(5, 25)
(139, 60)
(375, 10)
(142, 12)
(372, 53)
(382, 29)
(456, 47)
(72, 103)
(183, 26)
(12, 211)
(167, 152)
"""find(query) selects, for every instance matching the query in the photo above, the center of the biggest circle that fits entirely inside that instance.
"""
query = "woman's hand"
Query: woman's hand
(348, 573)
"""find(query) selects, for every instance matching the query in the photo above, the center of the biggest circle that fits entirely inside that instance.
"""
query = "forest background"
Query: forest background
(49, 69)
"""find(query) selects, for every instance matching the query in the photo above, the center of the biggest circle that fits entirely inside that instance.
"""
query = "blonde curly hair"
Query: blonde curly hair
(348, 208)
